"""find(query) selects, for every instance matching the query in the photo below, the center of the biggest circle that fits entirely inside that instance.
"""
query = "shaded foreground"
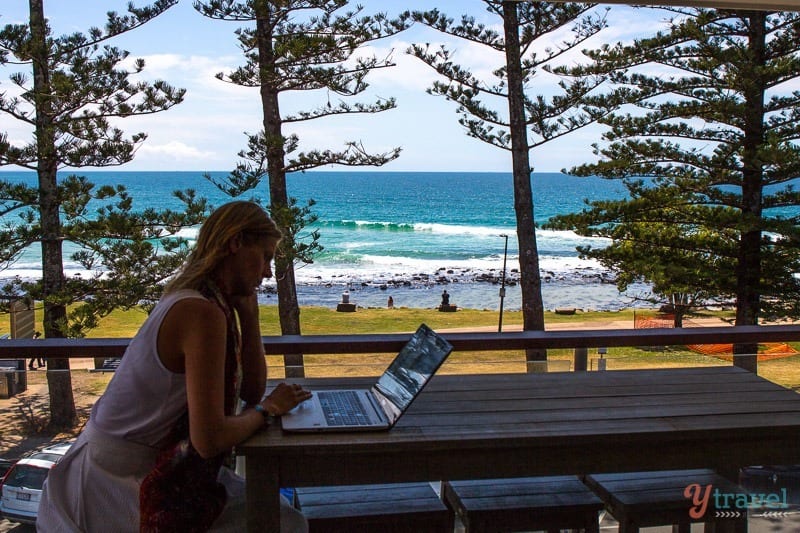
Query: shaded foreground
(27, 412)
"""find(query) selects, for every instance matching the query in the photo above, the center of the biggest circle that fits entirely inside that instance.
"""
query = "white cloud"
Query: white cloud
(174, 149)
(408, 74)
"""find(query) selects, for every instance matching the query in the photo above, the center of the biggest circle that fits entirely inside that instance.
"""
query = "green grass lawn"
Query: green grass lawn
(323, 320)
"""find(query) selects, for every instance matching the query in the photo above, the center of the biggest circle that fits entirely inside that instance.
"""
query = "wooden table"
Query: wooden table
(513, 425)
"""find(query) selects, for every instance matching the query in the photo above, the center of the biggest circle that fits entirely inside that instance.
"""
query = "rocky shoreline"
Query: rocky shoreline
(445, 276)
(581, 288)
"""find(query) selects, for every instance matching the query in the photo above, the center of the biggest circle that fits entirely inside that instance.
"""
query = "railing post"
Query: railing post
(581, 359)
(536, 361)
(293, 365)
(745, 356)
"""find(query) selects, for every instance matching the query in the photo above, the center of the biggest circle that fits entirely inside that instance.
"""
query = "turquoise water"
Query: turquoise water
(409, 235)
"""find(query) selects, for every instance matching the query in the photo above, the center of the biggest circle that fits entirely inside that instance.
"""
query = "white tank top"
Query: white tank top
(144, 399)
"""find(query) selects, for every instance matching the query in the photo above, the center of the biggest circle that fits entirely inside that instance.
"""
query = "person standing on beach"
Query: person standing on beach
(38, 360)
(153, 454)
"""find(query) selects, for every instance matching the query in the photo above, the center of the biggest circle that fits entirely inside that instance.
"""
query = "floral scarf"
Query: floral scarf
(181, 493)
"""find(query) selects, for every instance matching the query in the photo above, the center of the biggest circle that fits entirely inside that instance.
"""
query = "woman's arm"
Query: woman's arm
(198, 331)
(192, 339)
(254, 367)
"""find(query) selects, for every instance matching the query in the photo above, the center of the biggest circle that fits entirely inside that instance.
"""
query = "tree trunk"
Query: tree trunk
(288, 308)
(681, 304)
(59, 380)
(530, 277)
(677, 317)
(748, 282)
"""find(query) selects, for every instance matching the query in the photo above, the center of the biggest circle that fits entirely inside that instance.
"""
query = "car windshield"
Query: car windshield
(28, 476)
(45, 456)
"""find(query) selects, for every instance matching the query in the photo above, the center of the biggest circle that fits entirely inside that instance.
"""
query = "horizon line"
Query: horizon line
(303, 171)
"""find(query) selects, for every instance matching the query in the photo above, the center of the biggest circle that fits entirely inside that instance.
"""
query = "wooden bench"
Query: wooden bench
(648, 499)
(110, 364)
(393, 508)
(523, 504)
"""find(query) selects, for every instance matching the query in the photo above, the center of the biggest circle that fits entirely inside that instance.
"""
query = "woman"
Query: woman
(150, 455)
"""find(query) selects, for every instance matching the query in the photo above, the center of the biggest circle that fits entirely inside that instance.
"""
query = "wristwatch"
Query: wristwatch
(267, 416)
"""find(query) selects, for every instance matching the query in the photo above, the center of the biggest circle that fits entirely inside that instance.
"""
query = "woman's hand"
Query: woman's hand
(284, 398)
(246, 305)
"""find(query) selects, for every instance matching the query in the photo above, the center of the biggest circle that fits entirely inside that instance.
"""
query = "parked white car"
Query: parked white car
(21, 488)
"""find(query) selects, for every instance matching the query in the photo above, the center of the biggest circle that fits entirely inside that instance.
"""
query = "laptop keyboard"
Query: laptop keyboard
(342, 408)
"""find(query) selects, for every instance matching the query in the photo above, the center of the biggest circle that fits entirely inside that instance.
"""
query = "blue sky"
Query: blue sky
(207, 130)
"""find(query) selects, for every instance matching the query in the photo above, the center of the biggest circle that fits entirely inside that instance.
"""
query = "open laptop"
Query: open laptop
(381, 406)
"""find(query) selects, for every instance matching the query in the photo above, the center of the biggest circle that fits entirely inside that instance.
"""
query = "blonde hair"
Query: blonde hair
(247, 219)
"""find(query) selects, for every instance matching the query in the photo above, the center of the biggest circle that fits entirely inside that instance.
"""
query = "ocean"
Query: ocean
(408, 235)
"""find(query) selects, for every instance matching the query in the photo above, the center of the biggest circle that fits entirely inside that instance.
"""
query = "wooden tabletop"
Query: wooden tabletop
(512, 425)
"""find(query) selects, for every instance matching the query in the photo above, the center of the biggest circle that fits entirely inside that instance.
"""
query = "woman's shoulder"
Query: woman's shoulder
(183, 305)
(188, 320)
(194, 302)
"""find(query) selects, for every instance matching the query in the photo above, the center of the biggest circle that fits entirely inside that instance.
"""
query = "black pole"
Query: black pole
(503, 285)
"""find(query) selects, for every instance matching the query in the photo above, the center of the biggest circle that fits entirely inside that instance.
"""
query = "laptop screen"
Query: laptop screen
(413, 367)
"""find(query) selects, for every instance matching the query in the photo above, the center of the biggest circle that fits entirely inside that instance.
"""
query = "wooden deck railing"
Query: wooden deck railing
(385, 343)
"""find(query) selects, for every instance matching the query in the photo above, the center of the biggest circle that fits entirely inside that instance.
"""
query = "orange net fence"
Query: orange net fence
(658, 321)
(766, 351)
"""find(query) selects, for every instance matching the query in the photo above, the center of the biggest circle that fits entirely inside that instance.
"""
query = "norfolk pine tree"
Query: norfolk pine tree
(716, 136)
(527, 121)
(74, 89)
(299, 45)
